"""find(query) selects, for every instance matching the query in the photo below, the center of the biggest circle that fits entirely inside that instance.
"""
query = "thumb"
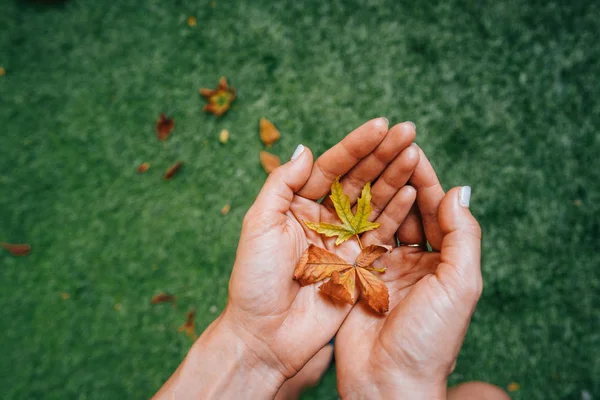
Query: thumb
(460, 255)
(278, 191)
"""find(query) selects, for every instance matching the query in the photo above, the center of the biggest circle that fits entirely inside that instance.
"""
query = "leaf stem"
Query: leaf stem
(359, 242)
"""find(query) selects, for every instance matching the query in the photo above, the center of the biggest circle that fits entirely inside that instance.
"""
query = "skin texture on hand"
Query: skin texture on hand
(409, 352)
(272, 321)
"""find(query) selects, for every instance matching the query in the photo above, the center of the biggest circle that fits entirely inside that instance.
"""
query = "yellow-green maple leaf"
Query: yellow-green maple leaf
(352, 224)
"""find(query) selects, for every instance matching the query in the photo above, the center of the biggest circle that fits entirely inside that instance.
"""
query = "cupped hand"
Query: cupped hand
(409, 352)
(284, 323)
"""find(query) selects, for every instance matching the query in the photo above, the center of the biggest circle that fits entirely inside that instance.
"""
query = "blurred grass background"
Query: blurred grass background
(505, 98)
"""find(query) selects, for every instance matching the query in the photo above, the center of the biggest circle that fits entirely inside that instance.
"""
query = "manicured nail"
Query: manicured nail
(411, 124)
(386, 121)
(297, 152)
(464, 196)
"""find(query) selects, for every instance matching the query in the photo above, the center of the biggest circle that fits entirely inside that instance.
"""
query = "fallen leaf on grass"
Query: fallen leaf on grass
(173, 170)
(191, 21)
(269, 161)
(513, 387)
(163, 298)
(18, 250)
(189, 327)
(143, 167)
(164, 126)
(269, 134)
(225, 209)
(352, 224)
(65, 296)
(317, 264)
(219, 99)
(2, 71)
(224, 136)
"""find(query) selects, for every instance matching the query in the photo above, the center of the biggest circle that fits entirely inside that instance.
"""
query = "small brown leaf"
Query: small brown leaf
(224, 136)
(317, 264)
(143, 167)
(269, 161)
(164, 126)
(513, 387)
(65, 296)
(219, 99)
(173, 170)
(225, 209)
(2, 71)
(369, 254)
(163, 298)
(18, 250)
(191, 21)
(269, 134)
(189, 327)
(373, 290)
(341, 286)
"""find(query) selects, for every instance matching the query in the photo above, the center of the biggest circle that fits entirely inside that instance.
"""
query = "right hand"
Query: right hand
(410, 352)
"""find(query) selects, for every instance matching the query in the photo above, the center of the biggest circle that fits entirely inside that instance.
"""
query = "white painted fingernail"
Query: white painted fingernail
(411, 124)
(386, 121)
(299, 150)
(464, 196)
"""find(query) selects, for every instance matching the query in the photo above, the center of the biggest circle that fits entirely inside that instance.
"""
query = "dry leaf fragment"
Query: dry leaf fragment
(173, 170)
(2, 71)
(269, 161)
(317, 264)
(163, 298)
(65, 296)
(219, 99)
(191, 20)
(513, 387)
(189, 327)
(269, 134)
(224, 136)
(18, 250)
(373, 290)
(143, 167)
(225, 209)
(164, 126)
(341, 286)
(352, 224)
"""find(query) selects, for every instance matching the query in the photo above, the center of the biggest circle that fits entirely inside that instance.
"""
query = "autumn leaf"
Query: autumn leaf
(317, 264)
(143, 167)
(164, 126)
(162, 298)
(269, 161)
(225, 209)
(269, 134)
(16, 249)
(352, 224)
(191, 21)
(219, 99)
(224, 136)
(189, 327)
(173, 170)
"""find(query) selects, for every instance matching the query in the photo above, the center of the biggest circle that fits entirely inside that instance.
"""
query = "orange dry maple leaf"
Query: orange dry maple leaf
(317, 264)
(269, 134)
(219, 99)
(16, 249)
(164, 126)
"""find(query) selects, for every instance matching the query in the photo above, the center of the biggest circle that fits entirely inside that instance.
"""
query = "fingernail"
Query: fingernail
(297, 152)
(464, 196)
(386, 121)
(411, 124)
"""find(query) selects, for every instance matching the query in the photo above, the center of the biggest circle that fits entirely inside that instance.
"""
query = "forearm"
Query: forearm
(220, 365)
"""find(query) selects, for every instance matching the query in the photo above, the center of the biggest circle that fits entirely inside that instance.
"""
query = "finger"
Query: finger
(429, 196)
(411, 230)
(342, 157)
(393, 179)
(391, 217)
(459, 270)
(398, 138)
(277, 193)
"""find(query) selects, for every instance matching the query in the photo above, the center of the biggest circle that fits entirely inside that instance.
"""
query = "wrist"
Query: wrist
(221, 364)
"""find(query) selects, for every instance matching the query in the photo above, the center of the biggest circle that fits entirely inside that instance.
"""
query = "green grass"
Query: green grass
(505, 98)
